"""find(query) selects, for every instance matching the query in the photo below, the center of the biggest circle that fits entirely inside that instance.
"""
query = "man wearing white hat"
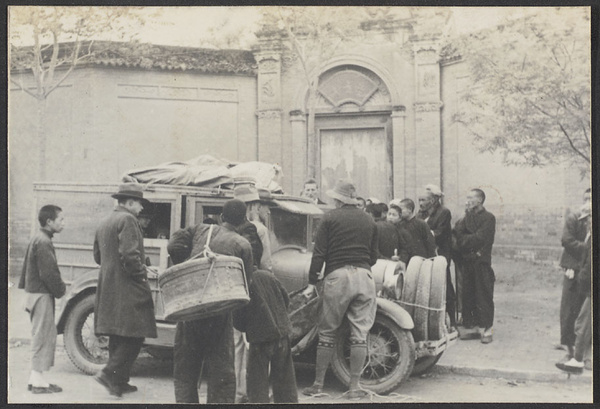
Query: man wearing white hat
(347, 243)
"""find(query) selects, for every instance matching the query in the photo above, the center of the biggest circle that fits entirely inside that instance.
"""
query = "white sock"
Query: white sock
(37, 379)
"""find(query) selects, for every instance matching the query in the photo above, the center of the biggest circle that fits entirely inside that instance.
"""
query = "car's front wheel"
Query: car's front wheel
(86, 351)
(390, 359)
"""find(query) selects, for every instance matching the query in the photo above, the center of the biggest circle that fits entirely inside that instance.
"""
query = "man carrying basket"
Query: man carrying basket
(208, 342)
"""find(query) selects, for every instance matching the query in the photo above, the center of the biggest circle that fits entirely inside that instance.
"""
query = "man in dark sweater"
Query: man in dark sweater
(346, 242)
(267, 326)
(423, 242)
(438, 218)
(572, 240)
(41, 280)
(474, 239)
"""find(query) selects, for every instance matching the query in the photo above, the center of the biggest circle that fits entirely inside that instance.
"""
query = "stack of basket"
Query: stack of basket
(424, 296)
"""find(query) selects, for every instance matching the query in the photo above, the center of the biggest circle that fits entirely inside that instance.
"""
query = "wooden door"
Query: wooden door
(360, 154)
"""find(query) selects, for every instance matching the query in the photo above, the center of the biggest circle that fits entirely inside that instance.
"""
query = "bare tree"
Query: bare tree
(51, 42)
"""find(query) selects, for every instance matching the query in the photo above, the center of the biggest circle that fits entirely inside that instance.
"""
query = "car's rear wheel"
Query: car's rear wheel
(391, 356)
(86, 351)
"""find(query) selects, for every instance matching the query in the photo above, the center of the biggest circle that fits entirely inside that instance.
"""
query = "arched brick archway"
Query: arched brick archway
(359, 127)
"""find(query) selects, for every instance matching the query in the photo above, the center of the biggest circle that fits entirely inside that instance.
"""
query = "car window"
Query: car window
(288, 229)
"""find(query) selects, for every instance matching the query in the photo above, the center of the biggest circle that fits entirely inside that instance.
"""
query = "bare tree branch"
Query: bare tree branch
(577, 151)
(23, 88)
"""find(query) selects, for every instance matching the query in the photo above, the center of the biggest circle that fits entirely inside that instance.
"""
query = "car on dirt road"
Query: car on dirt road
(398, 346)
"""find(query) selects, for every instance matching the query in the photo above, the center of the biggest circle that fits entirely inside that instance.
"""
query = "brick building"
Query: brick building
(383, 118)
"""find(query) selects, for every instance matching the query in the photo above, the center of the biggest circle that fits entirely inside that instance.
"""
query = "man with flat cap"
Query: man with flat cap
(347, 243)
(207, 344)
(124, 309)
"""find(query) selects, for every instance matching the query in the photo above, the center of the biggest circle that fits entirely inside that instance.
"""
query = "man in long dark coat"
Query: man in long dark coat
(475, 236)
(124, 308)
(438, 219)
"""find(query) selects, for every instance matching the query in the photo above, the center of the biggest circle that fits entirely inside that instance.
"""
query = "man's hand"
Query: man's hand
(570, 274)
(308, 291)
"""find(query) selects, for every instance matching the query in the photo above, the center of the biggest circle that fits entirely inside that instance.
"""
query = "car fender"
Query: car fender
(395, 312)
(84, 284)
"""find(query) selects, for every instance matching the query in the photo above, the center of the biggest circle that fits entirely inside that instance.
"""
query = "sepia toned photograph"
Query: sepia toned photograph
(299, 204)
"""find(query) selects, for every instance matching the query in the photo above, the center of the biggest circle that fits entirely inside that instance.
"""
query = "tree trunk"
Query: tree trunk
(42, 138)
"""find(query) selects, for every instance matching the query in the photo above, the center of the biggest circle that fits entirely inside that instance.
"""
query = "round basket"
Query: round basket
(202, 288)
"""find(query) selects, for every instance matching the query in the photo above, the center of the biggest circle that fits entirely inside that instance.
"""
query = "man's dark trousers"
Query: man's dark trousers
(571, 302)
(283, 378)
(122, 352)
(478, 294)
(208, 341)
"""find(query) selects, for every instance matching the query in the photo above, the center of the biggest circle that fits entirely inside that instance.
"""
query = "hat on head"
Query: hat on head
(265, 196)
(434, 190)
(344, 191)
(234, 212)
(246, 194)
(130, 191)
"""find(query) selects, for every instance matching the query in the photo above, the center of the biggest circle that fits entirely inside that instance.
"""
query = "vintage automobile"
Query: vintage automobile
(393, 351)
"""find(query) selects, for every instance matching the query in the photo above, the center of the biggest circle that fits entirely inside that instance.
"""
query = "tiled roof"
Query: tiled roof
(150, 56)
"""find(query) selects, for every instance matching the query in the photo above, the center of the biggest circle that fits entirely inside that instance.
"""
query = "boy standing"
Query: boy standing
(267, 328)
(423, 242)
(41, 280)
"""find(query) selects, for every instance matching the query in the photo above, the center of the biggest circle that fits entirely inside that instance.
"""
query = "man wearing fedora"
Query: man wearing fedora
(124, 309)
(347, 243)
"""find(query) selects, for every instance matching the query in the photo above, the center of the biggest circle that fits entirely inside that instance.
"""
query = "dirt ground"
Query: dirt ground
(526, 329)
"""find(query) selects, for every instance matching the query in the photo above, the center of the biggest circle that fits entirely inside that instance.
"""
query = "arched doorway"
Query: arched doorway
(354, 135)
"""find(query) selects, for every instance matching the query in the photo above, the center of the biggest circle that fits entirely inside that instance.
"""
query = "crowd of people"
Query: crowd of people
(244, 352)
(405, 232)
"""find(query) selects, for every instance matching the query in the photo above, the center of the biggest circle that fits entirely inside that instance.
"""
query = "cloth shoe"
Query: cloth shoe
(571, 366)
(51, 388)
(465, 333)
(487, 337)
(110, 386)
(313, 390)
(128, 388)
(587, 364)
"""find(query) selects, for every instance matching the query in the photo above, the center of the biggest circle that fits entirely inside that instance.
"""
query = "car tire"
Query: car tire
(422, 301)
(437, 299)
(391, 356)
(86, 351)
(411, 278)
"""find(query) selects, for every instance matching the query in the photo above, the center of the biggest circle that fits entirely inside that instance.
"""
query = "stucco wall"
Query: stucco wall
(103, 121)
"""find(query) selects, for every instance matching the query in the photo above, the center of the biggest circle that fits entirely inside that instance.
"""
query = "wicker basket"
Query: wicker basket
(203, 287)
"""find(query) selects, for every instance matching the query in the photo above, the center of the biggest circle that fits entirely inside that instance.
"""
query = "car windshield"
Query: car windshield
(288, 229)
